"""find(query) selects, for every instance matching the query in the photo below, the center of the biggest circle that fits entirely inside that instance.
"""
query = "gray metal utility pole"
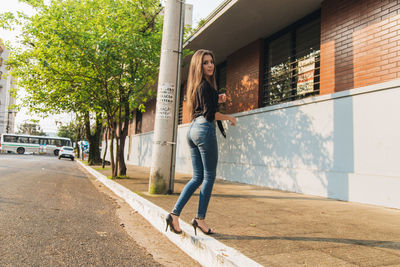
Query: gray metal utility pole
(164, 140)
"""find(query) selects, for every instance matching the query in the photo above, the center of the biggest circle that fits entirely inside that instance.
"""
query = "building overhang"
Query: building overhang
(236, 23)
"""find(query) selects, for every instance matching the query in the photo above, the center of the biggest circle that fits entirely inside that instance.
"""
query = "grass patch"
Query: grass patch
(118, 177)
(85, 162)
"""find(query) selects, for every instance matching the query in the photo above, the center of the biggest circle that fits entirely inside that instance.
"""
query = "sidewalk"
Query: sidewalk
(276, 228)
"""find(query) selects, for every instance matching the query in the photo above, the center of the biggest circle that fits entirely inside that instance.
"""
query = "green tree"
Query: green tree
(74, 130)
(30, 128)
(97, 58)
(67, 131)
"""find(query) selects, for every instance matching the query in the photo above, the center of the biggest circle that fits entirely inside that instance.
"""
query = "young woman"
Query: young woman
(202, 100)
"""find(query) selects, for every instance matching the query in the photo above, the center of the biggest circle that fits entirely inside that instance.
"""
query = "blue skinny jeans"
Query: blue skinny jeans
(203, 145)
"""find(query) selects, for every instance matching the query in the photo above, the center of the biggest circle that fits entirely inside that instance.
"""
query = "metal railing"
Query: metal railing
(292, 80)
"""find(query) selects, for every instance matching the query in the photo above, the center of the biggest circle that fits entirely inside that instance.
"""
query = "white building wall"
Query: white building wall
(7, 116)
(3, 90)
(344, 146)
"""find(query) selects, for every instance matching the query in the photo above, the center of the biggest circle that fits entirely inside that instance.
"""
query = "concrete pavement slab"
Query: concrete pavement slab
(281, 228)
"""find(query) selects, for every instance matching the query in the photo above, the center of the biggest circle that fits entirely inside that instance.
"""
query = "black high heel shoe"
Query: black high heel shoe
(195, 225)
(169, 221)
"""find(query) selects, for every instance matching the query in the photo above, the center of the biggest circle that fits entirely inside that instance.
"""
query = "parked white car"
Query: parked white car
(66, 152)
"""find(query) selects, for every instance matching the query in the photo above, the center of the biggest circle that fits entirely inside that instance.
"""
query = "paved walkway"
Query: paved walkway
(276, 228)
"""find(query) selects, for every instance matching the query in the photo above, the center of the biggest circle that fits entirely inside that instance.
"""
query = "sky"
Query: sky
(201, 9)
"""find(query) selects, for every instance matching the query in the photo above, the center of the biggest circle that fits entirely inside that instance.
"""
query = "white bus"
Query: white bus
(21, 143)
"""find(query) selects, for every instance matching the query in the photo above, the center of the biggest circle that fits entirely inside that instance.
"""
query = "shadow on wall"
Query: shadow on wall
(306, 149)
(272, 148)
(343, 149)
(141, 150)
(343, 125)
(292, 148)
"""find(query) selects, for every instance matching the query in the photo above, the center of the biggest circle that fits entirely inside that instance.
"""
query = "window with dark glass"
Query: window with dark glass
(55, 142)
(23, 140)
(65, 143)
(10, 139)
(33, 140)
(292, 62)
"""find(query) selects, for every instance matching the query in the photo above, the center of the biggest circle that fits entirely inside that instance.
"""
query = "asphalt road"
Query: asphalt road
(52, 215)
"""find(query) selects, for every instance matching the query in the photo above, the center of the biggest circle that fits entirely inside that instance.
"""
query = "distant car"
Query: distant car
(66, 152)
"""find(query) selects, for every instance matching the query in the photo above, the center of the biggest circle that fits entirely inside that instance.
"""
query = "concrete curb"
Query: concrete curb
(202, 248)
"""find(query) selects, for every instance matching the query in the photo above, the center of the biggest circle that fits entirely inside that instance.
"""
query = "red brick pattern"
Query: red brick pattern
(131, 129)
(360, 43)
(185, 111)
(243, 78)
(149, 116)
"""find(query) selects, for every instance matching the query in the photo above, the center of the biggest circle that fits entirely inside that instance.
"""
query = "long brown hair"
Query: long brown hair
(195, 76)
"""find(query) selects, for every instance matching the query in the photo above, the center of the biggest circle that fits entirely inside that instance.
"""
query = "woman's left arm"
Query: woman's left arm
(222, 117)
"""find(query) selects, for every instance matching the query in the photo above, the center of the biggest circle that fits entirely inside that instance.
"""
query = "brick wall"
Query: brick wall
(149, 116)
(360, 43)
(132, 126)
(185, 110)
(242, 78)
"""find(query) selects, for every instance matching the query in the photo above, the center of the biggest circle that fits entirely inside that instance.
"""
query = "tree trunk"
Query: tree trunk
(118, 142)
(112, 151)
(116, 155)
(122, 165)
(114, 163)
(97, 136)
(79, 138)
(106, 146)
(94, 149)
(78, 152)
(94, 140)
(87, 131)
(123, 134)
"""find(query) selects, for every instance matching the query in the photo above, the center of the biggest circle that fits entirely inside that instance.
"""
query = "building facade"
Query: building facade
(315, 86)
(7, 113)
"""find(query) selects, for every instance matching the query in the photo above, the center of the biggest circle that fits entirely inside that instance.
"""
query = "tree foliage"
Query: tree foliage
(91, 57)
(67, 131)
(73, 131)
(30, 128)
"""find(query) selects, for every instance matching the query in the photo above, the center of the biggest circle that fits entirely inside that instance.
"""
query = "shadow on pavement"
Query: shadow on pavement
(369, 243)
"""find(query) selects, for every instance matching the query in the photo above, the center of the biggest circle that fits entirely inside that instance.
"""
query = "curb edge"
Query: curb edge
(202, 248)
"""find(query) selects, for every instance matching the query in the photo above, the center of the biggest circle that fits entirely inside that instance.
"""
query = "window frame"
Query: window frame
(292, 60)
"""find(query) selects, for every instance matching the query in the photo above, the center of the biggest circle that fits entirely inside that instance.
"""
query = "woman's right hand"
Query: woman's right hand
(225, 117)
(221, 98)
(232, 120)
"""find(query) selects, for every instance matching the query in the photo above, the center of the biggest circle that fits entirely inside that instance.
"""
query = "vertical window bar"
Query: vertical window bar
(293, 66)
